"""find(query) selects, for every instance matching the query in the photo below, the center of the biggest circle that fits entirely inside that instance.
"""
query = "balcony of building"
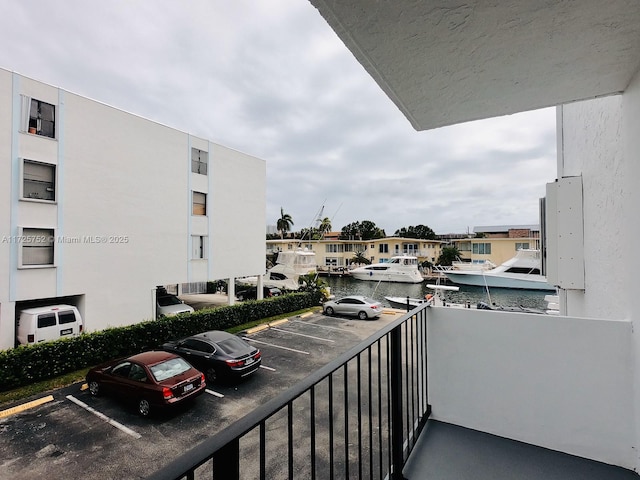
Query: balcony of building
(446, 393)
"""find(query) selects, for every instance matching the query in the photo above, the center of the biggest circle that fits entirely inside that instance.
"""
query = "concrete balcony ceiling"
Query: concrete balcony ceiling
(445, 62)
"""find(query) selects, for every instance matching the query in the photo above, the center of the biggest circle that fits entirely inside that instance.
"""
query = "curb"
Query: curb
(25, 406)
(279, 322)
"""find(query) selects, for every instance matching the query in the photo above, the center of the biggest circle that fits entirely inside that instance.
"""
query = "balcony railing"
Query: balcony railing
(357, 417)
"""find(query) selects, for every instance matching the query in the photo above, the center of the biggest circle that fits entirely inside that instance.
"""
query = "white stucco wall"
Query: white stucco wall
(630, 262)
(591, 145)
(558, 382)
(123, 199)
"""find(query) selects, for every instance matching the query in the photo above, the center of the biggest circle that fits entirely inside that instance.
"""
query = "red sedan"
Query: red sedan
(151, 379)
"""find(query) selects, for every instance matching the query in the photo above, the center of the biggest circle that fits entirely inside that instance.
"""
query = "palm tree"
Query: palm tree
(325, 225)
(284, 223)
(360, 258)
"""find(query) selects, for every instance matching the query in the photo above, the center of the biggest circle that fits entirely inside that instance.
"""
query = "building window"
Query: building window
(199, 161)
(199, 203)
(383, 248)
(39, 181)
(37, 246)
(482, 248)
(522, 246)
(199, 244)
(39, 117)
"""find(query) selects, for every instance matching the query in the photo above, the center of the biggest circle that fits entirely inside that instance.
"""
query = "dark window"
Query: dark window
(198, 345)
(46, 320)
(66, 317)
(42, 118)
(137, 373)
(122, 370)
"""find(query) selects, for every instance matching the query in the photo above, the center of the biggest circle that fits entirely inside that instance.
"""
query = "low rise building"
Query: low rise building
(99, 206)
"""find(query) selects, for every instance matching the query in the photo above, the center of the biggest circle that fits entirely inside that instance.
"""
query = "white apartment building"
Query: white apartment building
(99, 206)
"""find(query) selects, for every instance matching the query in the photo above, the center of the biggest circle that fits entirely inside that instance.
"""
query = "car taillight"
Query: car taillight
(80, 328)
(167, 393)
(202, 382)
(235, 363)
(257, 355)
(31, 338)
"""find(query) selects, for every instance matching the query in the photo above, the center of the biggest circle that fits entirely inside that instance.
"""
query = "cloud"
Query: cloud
(272, 79)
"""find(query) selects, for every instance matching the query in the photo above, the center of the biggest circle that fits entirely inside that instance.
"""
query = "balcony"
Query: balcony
(446, 394)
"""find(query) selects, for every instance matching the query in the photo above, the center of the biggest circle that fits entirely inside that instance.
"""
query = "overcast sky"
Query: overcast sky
(271, 79)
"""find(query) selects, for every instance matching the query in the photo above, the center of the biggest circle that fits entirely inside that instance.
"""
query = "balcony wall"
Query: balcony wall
(558, 382)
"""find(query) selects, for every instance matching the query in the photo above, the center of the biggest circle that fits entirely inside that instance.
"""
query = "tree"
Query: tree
(325, 225)
(360, 258)
(365, 230)
(284, 224)
(419, 231)
(448, 255)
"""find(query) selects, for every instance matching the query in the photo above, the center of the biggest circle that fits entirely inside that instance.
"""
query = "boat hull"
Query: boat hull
(523, 282)
(387, 277)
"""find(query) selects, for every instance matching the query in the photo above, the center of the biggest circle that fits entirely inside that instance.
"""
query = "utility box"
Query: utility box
(564, 233)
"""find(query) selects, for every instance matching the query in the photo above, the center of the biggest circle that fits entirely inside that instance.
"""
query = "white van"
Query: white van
(42, 324)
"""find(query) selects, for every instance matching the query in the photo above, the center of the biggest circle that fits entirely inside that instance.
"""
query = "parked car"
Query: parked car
(168, 305)
(220, 355)
(356, 305)
(251, 293)
(154, 379)
(42, 324)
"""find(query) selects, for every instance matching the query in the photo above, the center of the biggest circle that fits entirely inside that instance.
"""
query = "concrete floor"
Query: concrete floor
(449, 452)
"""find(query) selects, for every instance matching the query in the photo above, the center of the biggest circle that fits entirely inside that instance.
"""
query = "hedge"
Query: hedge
(27, 364)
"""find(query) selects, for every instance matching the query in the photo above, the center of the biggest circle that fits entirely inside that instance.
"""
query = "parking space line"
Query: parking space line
(102, 416)
(302, 335)
(323, 326)
(214, 393)
(275, 346)
(268, 368)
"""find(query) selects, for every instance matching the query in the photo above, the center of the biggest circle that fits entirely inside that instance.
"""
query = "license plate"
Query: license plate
(248, 361)
(188, 387)
(66, 331)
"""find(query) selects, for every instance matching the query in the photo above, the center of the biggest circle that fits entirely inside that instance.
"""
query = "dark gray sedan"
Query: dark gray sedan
(220, 355)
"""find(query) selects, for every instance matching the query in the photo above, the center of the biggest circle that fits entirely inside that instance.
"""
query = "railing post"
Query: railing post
(226, 462)
(397, 453)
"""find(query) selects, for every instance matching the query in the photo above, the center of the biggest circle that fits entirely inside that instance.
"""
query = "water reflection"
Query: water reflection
(378, 290)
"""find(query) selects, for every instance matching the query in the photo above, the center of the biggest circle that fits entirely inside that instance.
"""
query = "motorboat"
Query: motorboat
(285, 274)
(402, 268)
(521, 271)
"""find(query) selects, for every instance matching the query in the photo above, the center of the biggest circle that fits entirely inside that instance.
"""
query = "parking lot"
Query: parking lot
(76, 434)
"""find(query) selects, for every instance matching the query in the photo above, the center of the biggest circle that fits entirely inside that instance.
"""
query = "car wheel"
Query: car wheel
(212, 375)
(362, 315)
(94, 388)
(144, 408)
(329, 311)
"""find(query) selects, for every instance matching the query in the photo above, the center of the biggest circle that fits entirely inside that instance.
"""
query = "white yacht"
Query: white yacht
(521, 271)
(403, 268)
(290, 264)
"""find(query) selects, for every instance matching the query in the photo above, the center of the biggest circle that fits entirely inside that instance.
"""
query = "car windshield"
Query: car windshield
(169, 368)
(168, 300)
(370, 300)
(232, 345)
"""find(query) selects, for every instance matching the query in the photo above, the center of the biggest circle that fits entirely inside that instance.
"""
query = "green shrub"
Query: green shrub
(26, 364)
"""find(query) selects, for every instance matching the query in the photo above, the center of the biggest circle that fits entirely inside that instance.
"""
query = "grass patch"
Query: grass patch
(43, 386)
(79, 376)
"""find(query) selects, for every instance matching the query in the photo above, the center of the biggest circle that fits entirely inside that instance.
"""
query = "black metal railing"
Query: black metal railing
(357, 417)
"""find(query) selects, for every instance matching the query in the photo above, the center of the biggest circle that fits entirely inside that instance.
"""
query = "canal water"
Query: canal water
(341, 286)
